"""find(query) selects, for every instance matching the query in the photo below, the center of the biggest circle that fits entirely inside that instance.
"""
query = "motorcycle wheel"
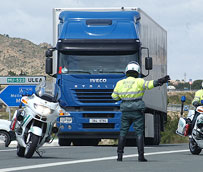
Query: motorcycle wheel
(194, 149)
(20, 151)
(31, 145)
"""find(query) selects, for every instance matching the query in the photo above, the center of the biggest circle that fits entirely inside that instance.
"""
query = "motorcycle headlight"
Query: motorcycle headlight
(42, 110)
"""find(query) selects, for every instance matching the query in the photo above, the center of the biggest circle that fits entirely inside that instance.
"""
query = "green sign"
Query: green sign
(21, 80)
(15, 80)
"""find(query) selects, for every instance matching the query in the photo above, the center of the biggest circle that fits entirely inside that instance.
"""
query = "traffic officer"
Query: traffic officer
(131, 91)
(198, 97)
(197, 102)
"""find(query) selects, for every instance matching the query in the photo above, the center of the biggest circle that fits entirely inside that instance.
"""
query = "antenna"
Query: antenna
(185, 76)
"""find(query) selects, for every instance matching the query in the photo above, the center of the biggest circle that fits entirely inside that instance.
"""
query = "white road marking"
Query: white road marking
(44, 147)
(84, 160)
(7, 150)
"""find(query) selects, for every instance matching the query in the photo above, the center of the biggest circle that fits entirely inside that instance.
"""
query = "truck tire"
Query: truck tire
(93, 142)
(20, 151)
(64, 142)
(4, 135)
(31, 145)
(157, 132)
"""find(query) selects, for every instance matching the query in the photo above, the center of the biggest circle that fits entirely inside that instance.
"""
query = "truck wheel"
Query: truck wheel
(194, 149)
(5, 137)
(31, 145)
(79, 142)
(64, 142)
(92, 142)
(20, 151)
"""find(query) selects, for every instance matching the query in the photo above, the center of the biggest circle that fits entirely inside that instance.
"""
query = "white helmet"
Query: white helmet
(132, 66)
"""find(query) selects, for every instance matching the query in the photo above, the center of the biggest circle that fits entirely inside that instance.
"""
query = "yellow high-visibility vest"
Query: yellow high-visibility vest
(131, 88)
(198, 96)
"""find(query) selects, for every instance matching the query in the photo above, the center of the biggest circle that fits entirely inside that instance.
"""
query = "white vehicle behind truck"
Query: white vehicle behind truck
(6, 135)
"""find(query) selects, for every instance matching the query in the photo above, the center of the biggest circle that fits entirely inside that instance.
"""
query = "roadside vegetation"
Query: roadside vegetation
(169, 136)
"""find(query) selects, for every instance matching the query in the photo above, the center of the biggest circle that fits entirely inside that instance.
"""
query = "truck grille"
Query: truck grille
(94, 95)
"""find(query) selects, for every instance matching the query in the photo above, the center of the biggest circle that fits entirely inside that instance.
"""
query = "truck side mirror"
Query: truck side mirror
(49, 62)
(148, 63)
(49, 53)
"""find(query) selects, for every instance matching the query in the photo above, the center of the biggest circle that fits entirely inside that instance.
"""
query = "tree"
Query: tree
(22, 73)
(11, 73)
(196, 85)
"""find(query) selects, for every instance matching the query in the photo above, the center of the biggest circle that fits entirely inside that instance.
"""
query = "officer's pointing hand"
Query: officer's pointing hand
(163, 80)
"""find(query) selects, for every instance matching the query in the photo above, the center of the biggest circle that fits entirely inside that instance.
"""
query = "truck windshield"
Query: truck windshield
(94, 64)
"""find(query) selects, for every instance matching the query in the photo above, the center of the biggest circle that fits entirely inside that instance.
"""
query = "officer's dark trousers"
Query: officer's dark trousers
(128, 118)
(137, 119)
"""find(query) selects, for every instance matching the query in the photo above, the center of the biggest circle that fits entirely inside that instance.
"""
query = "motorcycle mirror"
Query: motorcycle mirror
(183, 98)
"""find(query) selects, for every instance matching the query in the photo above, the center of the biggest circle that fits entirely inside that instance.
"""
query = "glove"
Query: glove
(163, 80)
(196, 103)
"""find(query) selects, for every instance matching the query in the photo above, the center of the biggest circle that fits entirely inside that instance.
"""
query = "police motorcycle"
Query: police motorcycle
(184, 128)
(34, 123)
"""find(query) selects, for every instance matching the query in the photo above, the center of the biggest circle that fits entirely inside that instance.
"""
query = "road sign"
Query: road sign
(190, 81)
(11, 95)
(21, 80)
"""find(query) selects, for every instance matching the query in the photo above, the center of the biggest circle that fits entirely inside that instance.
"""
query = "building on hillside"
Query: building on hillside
(171, 87)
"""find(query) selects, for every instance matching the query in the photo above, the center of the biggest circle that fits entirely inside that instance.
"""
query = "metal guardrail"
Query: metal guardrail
(180, 90)
(177, 107)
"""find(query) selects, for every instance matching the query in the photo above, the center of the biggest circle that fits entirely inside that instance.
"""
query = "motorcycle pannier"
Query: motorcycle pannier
(181, 127)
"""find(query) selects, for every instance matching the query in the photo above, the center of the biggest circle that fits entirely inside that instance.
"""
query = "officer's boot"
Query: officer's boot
(140, 148)
(121, 144)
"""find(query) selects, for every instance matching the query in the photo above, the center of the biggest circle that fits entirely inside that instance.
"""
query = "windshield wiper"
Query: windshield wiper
(112, 72)
(79, 71)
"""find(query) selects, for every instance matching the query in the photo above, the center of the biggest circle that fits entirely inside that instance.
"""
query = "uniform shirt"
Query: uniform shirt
(131, 90)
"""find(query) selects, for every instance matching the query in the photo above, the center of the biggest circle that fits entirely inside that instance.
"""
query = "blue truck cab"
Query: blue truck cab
(92, 50)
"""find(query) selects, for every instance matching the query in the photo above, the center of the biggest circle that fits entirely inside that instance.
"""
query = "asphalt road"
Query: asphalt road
(162, 158)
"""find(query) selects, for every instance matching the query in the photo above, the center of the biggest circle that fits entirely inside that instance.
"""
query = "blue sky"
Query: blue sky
(183, 20)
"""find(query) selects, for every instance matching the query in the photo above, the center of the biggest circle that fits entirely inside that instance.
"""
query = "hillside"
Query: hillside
(20, 55)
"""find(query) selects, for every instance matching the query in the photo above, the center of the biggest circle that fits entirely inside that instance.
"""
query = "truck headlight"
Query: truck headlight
(66, 119)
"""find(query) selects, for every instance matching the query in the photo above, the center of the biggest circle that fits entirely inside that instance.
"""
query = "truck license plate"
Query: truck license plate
(98, 120)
